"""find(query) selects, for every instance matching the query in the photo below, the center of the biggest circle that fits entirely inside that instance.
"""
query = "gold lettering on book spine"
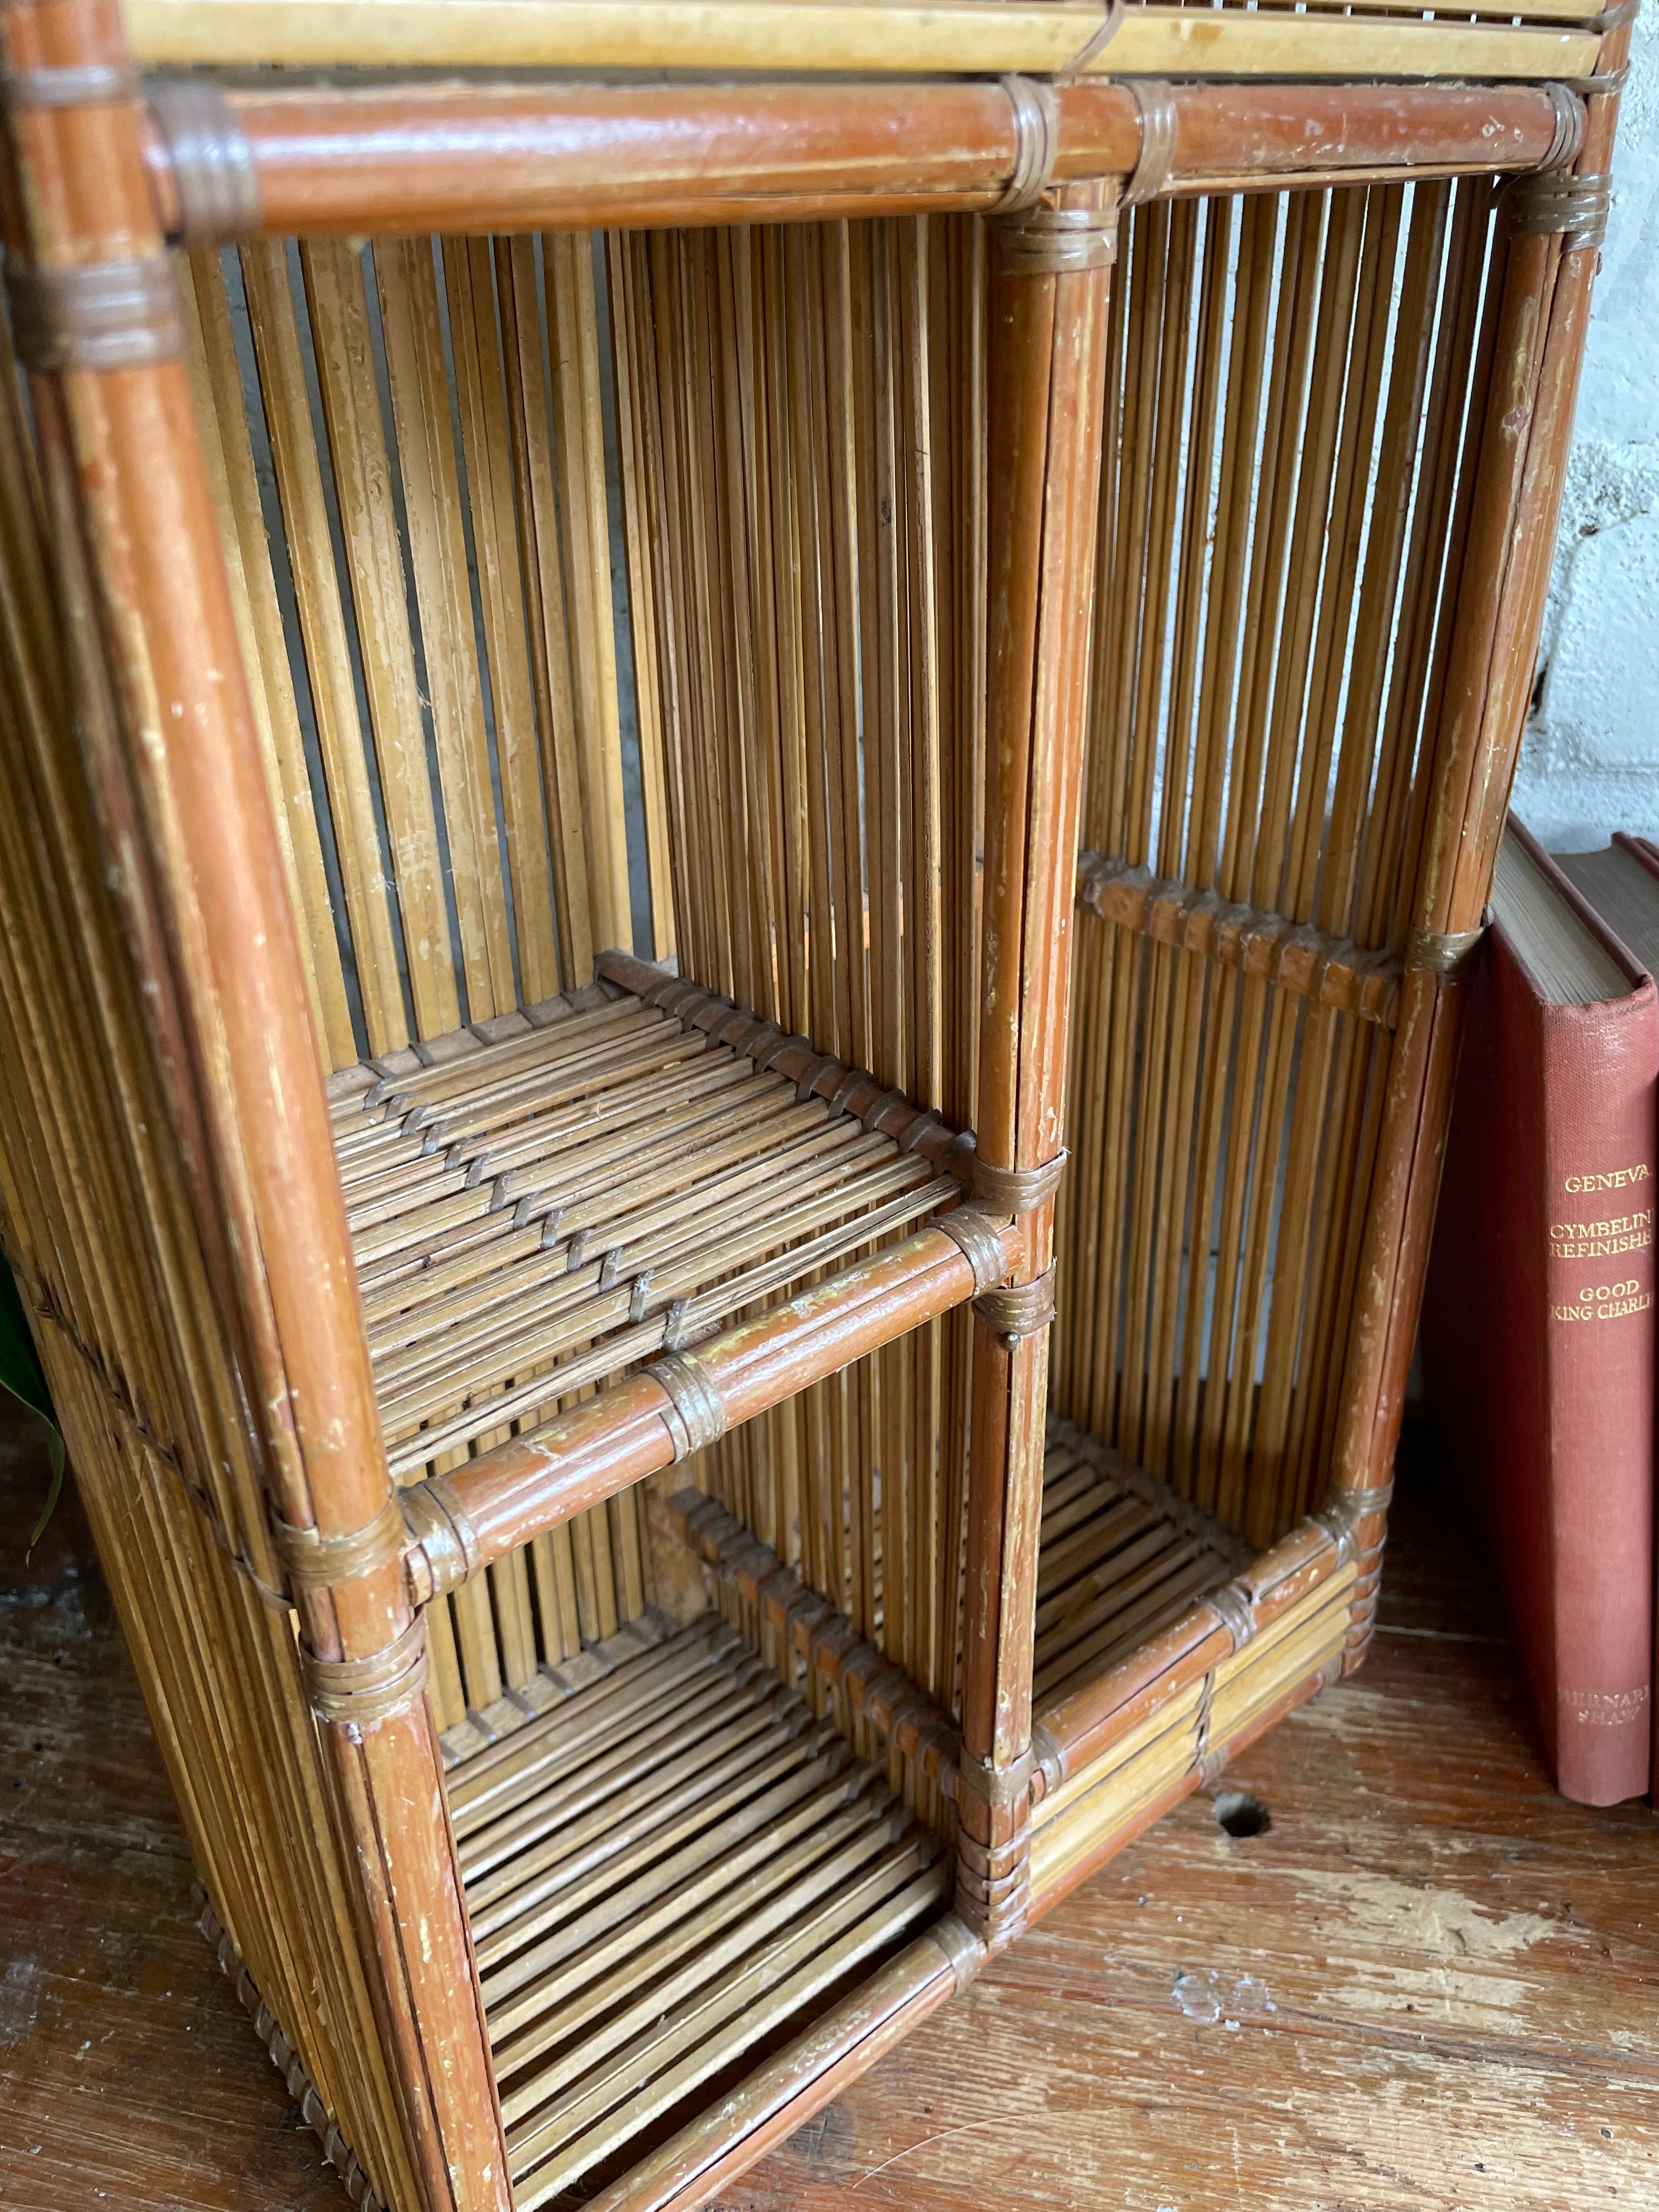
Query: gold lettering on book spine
(1603, 1240)
(1606, 1708)
(1605, 1302)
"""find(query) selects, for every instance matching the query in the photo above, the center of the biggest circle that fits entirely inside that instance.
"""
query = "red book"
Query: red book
(1622, 884)
(1538, 1328)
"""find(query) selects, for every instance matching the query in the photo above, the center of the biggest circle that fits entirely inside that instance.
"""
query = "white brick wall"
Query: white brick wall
(1589, 762)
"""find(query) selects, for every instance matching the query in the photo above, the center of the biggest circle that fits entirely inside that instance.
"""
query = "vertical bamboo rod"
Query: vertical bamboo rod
(371, 912)
(519, 301)
(481, 407)
(221, 409)
(412, 323)
(1047, 329)
(573, 339)
(626, 367)
(337, 303)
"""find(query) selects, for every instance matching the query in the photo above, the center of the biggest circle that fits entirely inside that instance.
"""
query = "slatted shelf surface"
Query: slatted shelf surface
(1122, 1557)
(661, 1871)
(538, 1214)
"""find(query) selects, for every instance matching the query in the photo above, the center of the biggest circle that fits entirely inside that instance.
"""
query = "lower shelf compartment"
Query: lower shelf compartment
(1165, 1644)
(1186, 1738)
(661, 1872)
(1122, 1557)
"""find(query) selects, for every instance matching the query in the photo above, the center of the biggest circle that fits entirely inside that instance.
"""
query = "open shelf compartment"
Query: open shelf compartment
(544, 1201)
(1165, 1644)
(673, 1863)
(1122, 1557)
(662, 1871)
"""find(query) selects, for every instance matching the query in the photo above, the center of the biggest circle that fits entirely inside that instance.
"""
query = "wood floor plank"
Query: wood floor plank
(130, 2077)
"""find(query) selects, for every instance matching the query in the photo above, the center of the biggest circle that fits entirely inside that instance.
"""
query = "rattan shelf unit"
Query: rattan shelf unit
(552, 623)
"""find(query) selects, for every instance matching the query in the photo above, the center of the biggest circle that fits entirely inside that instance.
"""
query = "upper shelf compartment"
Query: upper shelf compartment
(550, 1198)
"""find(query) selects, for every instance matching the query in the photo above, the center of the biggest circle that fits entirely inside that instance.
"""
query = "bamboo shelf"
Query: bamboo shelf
(535, 1215)
(751, 754)
(660, 1872)
(1122, 1557)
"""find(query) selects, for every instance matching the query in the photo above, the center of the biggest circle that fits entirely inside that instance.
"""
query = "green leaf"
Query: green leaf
(20, 1375)
(55, 1487)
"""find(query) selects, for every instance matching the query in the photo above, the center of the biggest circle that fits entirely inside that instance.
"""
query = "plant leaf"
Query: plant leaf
(54, 1488)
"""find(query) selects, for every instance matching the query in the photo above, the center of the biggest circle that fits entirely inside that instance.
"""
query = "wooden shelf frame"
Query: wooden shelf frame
(194, 974)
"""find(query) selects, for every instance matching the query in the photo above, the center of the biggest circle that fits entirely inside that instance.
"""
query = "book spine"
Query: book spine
(1645, 852)
(1598, 1174)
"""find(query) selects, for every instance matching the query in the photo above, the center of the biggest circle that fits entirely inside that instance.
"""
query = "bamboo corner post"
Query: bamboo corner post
(158, 675)
(1049, 279)
(666, 1508)
(1551, 228)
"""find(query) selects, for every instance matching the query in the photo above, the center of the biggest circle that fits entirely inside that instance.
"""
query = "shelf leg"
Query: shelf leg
(1549, 227)
(1049, 296)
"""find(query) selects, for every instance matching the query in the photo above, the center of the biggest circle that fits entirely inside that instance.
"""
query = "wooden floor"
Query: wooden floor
(1430, 1984)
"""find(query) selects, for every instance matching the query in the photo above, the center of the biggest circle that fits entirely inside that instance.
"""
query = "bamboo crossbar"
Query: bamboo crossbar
(543, 1201)
(465, 158)
(1079, 1727)
(962, 36)
(877, 1690)
(1188, 1739)
(1292, 956)
(508, 1495)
